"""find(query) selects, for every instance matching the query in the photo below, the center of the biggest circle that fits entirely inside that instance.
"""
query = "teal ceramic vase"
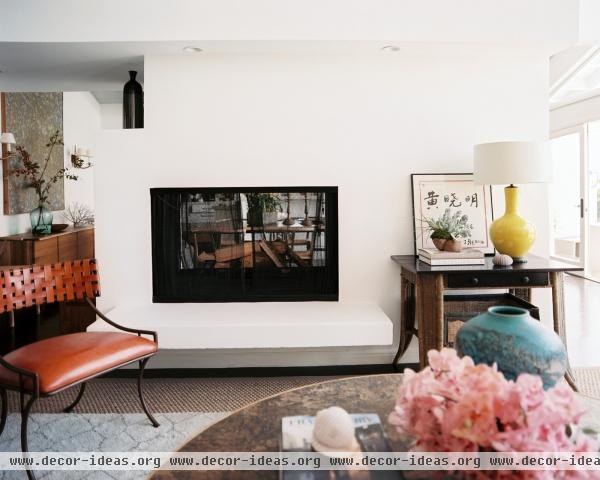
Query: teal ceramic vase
(517, 343)
(41, 220)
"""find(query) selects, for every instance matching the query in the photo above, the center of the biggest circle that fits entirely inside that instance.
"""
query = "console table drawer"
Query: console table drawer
(516, 279)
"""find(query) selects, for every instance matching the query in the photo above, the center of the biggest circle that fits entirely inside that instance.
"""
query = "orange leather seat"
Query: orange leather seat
(68, 359)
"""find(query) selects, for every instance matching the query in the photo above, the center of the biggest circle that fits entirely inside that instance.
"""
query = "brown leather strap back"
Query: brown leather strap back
(37, 284)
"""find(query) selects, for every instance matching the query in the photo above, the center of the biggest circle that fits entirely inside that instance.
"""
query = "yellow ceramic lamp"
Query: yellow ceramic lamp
(502, 163)
(511, 234)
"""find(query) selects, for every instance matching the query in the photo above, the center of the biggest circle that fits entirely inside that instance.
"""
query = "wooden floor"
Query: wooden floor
(582, 311)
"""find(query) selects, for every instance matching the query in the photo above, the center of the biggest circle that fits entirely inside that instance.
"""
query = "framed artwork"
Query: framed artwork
(435, 193)
(32, 117)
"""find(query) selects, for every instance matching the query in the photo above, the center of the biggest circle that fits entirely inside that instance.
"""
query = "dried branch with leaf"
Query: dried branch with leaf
(79, 214)
(34, 173)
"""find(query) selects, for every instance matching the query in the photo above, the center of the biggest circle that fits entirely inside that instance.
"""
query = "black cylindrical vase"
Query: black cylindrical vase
(133, 103)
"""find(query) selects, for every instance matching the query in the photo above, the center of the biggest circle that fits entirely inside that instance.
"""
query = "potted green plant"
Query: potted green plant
(448, 231)
(262, 208)
(34, 174)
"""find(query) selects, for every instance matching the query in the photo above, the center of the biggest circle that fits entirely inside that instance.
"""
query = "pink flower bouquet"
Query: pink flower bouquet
(455, 406)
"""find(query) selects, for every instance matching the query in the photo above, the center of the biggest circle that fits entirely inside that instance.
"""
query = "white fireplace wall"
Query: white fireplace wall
(363, 122)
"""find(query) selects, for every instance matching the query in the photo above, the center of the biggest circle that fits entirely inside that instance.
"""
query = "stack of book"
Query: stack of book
(434, 257)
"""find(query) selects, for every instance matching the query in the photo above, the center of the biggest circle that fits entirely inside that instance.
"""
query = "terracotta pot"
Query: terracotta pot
(453, 245)
(439, 243)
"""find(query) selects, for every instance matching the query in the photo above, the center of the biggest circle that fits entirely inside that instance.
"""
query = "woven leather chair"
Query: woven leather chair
(46, 367)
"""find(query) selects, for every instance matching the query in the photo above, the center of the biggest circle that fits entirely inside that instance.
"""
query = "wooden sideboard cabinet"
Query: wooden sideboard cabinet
(29, 249)
(70, 244)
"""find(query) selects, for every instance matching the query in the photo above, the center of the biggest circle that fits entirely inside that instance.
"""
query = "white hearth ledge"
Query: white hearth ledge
(257, 325)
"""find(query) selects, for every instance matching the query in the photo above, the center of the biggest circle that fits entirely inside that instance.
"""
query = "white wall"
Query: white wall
(81, 122)
(364, 123)
(111, 116)
(81, 118)
(589, 13)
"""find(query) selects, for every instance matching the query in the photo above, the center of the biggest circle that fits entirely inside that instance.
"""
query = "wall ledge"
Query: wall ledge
(257, 325)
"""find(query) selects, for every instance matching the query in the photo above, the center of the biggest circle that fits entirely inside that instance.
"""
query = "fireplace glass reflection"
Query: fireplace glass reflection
(246, 244)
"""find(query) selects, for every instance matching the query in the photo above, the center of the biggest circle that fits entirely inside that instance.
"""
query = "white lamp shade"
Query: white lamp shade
(503, 163)
(7, 138)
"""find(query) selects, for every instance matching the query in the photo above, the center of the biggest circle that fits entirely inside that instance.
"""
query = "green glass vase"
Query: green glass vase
(41, 220)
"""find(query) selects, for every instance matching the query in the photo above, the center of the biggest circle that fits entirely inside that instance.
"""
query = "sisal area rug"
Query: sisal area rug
(588, 381)
(201, 395)
(169, 395)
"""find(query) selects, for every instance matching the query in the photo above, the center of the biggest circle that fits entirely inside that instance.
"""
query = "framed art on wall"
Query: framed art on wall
(32, 117)
(436, 193)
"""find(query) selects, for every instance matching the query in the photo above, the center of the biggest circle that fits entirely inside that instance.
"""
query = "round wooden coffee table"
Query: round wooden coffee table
(257, 427)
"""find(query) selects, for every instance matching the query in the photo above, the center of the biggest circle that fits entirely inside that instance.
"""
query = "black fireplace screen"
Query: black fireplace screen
(244, 244)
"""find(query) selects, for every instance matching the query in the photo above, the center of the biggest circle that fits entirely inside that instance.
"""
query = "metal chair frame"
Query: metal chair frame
(32, 387)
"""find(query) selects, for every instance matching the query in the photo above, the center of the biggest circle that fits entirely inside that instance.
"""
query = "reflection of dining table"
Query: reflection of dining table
(215, 228)
(286, 232)
(269, 228)
(257, 427)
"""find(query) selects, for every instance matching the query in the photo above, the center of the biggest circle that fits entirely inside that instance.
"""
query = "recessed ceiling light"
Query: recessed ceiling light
(191, 49)
(391, 48)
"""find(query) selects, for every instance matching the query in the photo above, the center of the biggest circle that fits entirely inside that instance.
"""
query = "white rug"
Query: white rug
(101, 433)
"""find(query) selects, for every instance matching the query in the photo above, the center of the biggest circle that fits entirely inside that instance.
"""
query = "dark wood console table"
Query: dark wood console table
(423, 287)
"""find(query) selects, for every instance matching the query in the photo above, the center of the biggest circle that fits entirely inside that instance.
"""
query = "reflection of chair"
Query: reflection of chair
(197, 243)
(304, 243)
(304, 257)
(46, 367)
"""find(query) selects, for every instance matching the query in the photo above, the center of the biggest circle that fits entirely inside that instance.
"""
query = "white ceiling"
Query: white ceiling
(72, 45)
(438, 21)
(101, 67)
(68, 66)
(580, 80)
(104, 97)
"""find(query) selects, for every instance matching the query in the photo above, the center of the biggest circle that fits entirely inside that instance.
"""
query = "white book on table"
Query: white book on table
(468, 253)
(440, 262)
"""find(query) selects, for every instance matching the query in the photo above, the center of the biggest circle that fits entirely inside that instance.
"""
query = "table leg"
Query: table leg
(430, 314)
(558, 311)
(407, 318)
(196, 251)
